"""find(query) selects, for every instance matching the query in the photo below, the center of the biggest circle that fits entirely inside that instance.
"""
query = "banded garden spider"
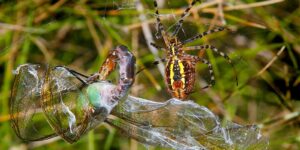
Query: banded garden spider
(180, 66)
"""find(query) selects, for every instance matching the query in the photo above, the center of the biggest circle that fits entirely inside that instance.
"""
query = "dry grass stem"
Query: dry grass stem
(271, 61)
(148, 36)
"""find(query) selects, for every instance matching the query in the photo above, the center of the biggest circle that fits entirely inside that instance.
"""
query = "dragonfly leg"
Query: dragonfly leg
(76, 74)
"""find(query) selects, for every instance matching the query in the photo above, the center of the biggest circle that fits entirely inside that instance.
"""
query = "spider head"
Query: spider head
(175, 47)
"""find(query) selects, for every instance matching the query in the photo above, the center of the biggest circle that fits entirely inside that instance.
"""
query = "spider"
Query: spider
(180, 66)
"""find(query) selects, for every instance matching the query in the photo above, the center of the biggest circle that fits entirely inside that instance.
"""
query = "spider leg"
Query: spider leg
(210, 69)
(205, 47)
(183, 15)
(152, 64)
(211, 72)
(157, 47)
(190, 48)
(160, 27)
(199, 36)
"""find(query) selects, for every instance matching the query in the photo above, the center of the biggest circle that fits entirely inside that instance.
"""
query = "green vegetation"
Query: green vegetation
(264, 45)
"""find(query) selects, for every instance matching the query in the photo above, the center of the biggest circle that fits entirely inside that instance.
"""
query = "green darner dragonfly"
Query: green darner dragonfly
(57, 101)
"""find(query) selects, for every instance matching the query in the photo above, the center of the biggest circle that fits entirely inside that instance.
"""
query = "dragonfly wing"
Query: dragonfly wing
(73, 107)
(26, 113)
(152, 135)
(181, 125)
(66, 107)
(57, 98)
(49, 101)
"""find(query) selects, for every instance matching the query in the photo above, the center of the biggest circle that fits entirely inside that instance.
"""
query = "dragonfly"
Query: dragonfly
(58, 101)
(64, 100)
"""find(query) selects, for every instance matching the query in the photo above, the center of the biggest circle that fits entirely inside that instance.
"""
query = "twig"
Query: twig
(258, 74)
(21, 28)
(221, 12)
(242, 21)
(252, 5)
(280, 119)
(271, 62)
(41, 45)
(244, 6)
(44, 142)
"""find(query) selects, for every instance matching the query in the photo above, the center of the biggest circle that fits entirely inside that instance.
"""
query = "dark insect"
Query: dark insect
(180, 66)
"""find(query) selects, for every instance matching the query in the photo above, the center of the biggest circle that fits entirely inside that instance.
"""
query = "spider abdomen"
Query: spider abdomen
(180, 77)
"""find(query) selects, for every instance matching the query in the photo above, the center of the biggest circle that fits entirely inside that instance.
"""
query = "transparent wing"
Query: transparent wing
(27, 117)
(71, 106)
(181, 125)
(65, 105)
(49, 101)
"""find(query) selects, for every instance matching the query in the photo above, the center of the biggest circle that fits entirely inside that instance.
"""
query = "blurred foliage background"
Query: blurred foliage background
(264, 44)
